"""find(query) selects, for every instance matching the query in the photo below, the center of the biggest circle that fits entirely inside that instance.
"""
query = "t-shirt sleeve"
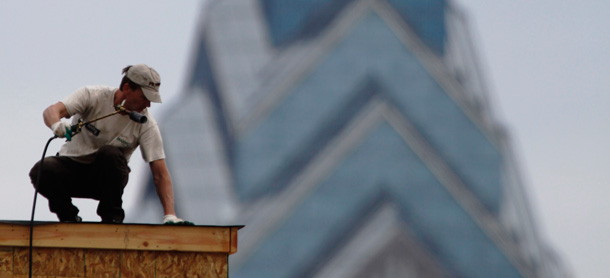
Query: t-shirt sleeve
(151, 144)
(77, 102)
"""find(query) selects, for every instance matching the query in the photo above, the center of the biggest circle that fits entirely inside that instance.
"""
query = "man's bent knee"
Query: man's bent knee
(34, 173)
(49, 163)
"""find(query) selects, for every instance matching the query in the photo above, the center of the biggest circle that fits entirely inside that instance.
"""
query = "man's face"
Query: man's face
(136, 101)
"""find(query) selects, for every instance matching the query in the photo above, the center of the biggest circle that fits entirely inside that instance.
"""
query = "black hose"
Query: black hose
(36, 195)
(75, 129)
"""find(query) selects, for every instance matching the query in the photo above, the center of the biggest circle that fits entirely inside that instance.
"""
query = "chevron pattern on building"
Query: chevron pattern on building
(353, 138)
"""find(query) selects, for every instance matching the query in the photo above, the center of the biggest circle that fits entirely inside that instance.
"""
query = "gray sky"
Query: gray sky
(546, 64)
(548, 69)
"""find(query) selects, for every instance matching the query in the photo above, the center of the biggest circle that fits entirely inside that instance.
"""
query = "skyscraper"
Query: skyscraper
(353, 138)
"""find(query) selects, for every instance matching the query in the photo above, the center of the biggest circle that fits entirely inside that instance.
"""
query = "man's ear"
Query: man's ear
(126, 87)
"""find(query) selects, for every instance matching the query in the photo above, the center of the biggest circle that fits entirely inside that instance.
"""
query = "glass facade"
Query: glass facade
(328, 126)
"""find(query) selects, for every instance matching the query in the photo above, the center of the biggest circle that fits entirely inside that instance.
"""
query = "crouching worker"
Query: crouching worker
(93, 163)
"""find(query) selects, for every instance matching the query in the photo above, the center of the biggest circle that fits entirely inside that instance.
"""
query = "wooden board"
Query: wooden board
(123, 236)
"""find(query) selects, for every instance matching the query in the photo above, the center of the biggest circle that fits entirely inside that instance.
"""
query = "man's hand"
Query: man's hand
(173, 220)
(61, 128)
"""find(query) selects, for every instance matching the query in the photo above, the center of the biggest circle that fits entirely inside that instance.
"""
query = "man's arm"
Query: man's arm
(52, 118)
(165, 191)
(163, 185)
(54, 113)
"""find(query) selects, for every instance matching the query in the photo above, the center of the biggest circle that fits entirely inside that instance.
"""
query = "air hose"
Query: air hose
(35, 197)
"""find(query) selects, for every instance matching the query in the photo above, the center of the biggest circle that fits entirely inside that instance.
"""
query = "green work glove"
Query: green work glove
(171, 219)
(62, 129)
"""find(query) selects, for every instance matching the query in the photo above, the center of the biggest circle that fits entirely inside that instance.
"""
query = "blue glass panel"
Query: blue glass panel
(370, 50)
(427, 18)
(383, 163)
(287, 19)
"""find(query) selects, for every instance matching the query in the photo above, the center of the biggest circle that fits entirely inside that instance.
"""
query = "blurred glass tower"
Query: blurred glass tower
(353, 138)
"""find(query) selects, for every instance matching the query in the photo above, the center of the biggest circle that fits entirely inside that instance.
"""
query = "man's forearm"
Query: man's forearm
(166, 195)
(163, 185)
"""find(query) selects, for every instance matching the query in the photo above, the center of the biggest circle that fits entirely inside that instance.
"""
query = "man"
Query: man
(93, 163)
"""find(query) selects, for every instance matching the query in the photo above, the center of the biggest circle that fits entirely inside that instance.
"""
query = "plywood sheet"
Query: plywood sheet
(190, 264)
(101, 263)
(96, 263)
(6, 260)
(50, 262)
(137, 264)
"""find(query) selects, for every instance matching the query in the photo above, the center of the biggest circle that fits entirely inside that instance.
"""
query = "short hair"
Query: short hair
(132, 84)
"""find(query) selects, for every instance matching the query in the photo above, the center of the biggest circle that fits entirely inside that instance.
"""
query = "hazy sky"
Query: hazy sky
(546, 64)
(548, 69)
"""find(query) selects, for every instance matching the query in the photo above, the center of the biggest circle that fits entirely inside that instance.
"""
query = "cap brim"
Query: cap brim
(151, 95)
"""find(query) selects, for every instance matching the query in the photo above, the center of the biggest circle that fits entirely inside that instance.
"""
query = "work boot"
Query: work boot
(112, 220)
(73, 219)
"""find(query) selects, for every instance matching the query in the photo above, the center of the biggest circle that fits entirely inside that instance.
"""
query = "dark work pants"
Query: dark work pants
(104, 180)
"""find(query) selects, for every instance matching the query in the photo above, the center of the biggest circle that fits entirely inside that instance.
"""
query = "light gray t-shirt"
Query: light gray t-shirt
(91, 102)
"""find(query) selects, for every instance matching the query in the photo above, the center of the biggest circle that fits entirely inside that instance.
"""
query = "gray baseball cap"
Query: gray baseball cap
(148, 78)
